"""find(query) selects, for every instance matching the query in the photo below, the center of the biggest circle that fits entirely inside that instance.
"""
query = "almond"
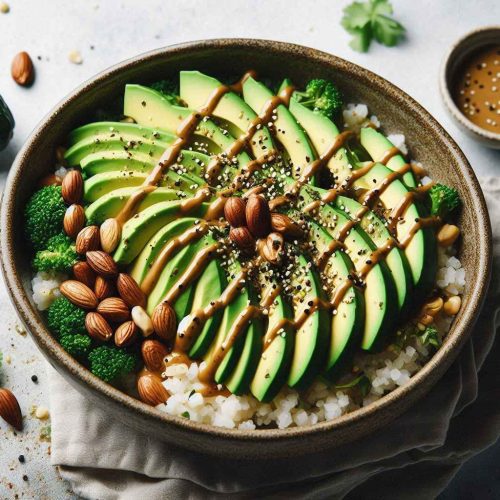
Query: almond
(271, 248)
(243, 239)
(102, 263)
(151, 390)
(281, 223)
(72, 187)
(97, 327)
(84, 273)
(87, 240)
(110, 235)
(126, 334)
(142, 320)
(104, 288)
(154, 354)
(78, 293)
(22, 70)
(234, 211)
(129, 291)
(114, 309)
(10, 410)
(164, 321)
(74, 220)
(258, 216)
(50, 180)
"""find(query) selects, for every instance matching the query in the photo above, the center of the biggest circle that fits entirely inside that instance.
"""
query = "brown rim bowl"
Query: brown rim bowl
(457, 55)
(398, 112)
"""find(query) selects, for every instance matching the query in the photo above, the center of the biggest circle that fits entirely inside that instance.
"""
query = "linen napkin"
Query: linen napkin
(419, 451)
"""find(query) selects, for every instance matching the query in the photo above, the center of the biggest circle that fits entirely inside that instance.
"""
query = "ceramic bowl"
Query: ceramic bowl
(397, 111)
(458, 54)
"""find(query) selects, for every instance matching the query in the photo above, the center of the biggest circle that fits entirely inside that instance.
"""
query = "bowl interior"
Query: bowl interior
(398, 113)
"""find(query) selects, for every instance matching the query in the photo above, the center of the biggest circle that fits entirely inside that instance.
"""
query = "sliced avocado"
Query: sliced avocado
(113, 130)
(195, 90)
(287, 130)
(377, 145)
(138, 230)
(150, 252)
(110, 204)
(348, 321)
(276, 357)
(322, 133)
(421, 252)
(312, 338)
(150, 108)
(211, 284)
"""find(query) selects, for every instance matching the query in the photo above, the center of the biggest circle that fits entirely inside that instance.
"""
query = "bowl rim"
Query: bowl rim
(457, 48)
(103, 391)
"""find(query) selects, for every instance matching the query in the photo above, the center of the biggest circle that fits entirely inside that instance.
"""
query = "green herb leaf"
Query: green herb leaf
(186, 415)
(368, 20)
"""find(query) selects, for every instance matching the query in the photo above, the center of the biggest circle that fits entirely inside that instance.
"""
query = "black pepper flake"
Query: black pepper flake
(34, 379)
(25, 477)
(21, 459)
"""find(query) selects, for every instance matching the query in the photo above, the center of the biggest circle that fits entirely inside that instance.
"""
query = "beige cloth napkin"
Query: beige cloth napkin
(419, 452)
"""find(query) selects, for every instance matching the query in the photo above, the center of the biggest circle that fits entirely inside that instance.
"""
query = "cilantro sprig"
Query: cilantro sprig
(370, 20)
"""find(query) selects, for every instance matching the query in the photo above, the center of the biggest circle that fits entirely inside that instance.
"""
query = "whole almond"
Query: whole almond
(151, 390)
(129, 291)
(102, 263)
(87, 240)
(258, 216)
(126, 334)
(104, 288)
(84, 273)
(50, 180)
(271, 248)
(97, 327)
(164, 321)
(142, 320)
(234, 211)
(74, 220)
(10, 410)
(110, 232)
(72, 187)
(114, 309)
(243, 239)
(154, 354)
(281, 223)
(79, 294)
(22, 70)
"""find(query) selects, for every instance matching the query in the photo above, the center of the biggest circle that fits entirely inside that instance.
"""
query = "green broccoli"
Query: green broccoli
(60, 255)
(110, 363)
(430, 337)
(64, 318)
(77, 346)
(169, 90)
(321, 96)
(44, 215)
(444, 200)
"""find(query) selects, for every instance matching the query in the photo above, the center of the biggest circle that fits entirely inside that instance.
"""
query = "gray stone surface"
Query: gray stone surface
(109, 31)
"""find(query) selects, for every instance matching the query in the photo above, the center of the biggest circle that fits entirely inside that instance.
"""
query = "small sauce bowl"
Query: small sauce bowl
(452, 70)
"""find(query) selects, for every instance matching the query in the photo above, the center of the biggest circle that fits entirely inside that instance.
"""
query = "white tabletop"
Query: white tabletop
(106, 32)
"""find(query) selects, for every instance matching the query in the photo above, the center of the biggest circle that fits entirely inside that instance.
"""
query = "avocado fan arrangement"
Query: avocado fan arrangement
(244, 256)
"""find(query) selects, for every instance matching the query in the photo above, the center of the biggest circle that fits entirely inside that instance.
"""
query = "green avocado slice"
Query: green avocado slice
(287, 131)
(195, 90)
(274, 363)
(312, 338)
(348, 322)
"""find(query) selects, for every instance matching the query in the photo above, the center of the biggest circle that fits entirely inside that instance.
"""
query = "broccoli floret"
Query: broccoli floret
(110, 363)
(77, 346)
(44, 215)
(60, 255)
(169, 90)
(444, 200)
(430, 337)
(321, 96)
(64, 318)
